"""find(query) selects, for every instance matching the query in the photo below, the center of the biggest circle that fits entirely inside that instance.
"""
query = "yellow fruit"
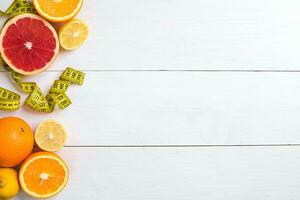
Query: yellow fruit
(58, 10)
(43, 175)
(9, 184)
(50, 136)
(73, 34)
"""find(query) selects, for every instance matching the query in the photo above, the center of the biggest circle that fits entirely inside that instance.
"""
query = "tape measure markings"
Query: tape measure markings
(36, 101)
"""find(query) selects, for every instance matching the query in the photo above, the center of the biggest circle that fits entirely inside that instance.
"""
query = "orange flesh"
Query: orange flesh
(44, 166)
(58, 8)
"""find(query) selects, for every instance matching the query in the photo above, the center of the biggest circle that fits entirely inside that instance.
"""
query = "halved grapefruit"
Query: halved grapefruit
(28, 44)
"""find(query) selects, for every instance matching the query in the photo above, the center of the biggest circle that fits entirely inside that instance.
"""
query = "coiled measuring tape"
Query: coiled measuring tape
(36, 101)
(9, 100)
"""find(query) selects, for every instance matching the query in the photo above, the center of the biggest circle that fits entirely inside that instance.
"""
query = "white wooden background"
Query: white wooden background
(184, 100)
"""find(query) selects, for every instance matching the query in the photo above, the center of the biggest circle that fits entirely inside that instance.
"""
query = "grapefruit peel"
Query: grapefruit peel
(36, 101)
(28, 44)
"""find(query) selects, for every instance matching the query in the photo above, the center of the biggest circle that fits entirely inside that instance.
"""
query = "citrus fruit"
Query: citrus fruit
(9, 184)
(16, 141)
(50, 136)
(58, 10)
(73, 34)
(28, 44)
(43, 175)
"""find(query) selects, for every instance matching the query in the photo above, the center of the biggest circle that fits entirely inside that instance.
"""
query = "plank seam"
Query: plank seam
(234, 71)
(183, 146)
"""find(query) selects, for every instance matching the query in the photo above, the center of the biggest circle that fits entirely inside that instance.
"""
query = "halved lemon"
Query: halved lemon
(58, 10)
(50, 136)
(73, 34)
(43, 175)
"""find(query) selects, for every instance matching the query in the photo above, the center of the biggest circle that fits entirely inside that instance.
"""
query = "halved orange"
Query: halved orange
(43, 175)
(58, 10)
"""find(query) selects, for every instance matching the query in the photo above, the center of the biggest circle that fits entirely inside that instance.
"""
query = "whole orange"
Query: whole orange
(16, 141)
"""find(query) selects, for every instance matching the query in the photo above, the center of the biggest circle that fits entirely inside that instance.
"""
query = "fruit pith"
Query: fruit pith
(28, 44)
(43, 175)
(58, 10)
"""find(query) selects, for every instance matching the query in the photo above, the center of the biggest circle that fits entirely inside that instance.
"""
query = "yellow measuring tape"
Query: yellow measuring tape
(9, 100)
(36, 101)
(18, 7)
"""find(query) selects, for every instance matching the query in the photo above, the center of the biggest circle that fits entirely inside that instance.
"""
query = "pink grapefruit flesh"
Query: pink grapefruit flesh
(28, 44)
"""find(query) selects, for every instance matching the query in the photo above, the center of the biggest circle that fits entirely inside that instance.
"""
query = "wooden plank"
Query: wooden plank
(163, 108)
(249, 173)
(190, 34)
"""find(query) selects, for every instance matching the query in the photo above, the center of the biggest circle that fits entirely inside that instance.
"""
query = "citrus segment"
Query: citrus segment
(28, 44)
(50, 136)
(58, 10)
(43, 175)
(73, 34)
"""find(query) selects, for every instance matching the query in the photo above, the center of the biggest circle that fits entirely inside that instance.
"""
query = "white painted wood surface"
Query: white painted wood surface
(190, 34)
(252, 173)
(245, 91)
(182, 108)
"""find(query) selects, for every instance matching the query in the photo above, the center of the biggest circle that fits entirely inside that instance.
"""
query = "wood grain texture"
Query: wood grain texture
(190, 34)
(175, 108)
(127, 101)
(252, 173)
